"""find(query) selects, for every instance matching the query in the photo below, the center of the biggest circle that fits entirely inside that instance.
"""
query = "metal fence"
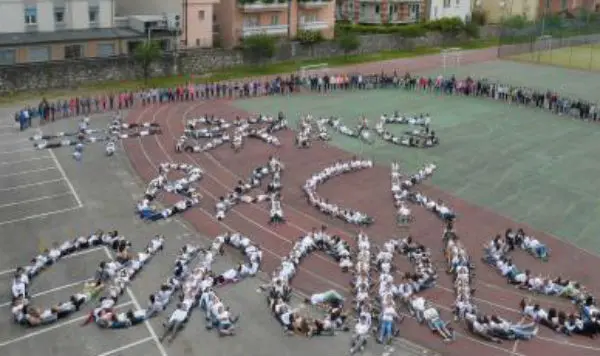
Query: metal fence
(556, 40)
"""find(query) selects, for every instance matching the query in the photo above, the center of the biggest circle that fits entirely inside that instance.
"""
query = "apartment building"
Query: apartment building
(381, 11)
(45, 30)
(242, 18)
(439, 9)
(193, 18)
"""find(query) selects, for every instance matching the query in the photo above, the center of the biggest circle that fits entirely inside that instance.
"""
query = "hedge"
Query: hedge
(449, 26)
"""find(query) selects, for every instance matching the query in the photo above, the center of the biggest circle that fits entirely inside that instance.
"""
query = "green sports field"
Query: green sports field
(578, 57)
(524, 163)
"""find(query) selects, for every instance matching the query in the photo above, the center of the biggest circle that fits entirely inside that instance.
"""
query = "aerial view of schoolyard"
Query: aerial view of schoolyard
(455, 214)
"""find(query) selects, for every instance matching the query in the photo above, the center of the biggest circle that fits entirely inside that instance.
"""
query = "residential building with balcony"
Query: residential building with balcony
(381, 11)
(195, 19)
(48, 30)
(439, 9)
(238, 19)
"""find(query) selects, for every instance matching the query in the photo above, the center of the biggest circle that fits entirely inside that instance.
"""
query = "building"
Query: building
(531, 10)
(46, 30)
(439, 9)
(381, 11)
(497, 10)
(242, 18)
(194, 18)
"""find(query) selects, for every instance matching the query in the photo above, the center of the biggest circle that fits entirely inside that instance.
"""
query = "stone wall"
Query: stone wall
(73, 74)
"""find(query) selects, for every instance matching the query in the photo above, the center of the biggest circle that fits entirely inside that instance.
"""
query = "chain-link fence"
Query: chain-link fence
(553, 40)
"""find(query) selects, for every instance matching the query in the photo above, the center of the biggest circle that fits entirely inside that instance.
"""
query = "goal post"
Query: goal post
(543, 46)
(318, 69)
(451, 57)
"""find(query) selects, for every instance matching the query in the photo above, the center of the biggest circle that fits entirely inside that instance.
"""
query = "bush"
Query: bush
(349, 42)
(309, 38)
(259, 47)
(516, 21)
(447, 26)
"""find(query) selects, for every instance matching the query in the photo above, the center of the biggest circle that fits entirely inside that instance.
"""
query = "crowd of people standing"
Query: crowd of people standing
(284, 85)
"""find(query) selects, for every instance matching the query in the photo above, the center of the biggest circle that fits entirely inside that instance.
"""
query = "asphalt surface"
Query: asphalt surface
(47, 196)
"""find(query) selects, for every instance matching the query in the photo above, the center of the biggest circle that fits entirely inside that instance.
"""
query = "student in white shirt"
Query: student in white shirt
(175, 323)
(361, 334)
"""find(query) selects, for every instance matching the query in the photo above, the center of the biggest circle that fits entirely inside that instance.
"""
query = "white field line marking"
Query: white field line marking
(66, 286)
(31, 184)
(24, 160)
(137, 305)
(128, 346)
(53, 327)
(17, 151)
(39, 216)
(45, 197)
(27, 172)
(62, 171)
(76, 254)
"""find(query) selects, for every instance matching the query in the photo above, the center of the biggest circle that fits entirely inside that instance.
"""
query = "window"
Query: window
(274, 20)
(251, 21)
(59, 15)
(201, 15)
(73, 51)
(377, 9)
(414, 11)
(563, 4)
(197, 42)
(308, 18)
(106, 50)
(7, 56)
(31, 15)
(38, 54)
(457, 2)
(446, 4)
(93, 14)
(547, 4)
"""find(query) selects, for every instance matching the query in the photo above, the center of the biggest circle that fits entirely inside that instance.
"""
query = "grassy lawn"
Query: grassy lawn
(237, 72)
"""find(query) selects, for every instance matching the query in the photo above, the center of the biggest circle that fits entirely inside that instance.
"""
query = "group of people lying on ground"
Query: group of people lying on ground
(385, 309)
(324, 205)
(111, 278)
(490, 328)
(297, 320)
(216, 130)
(272, 193)
(116, 131)
(586, 322)
(401, 189)
(422, 136)
(310, 129)
(196, 285)
(461, 268)
(182, 186)
(361, 131)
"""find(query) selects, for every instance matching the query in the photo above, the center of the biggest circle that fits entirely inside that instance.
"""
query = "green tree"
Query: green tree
(309, 39)
(258, 48)
(348, 42)
(145, 54)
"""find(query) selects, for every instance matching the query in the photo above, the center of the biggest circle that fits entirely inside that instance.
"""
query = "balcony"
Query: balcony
(271, 30)
(312, 4)
(313, 26)
(262, 6)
